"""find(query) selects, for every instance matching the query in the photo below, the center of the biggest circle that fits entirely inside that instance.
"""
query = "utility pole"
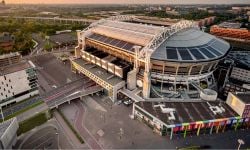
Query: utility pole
(121, 133)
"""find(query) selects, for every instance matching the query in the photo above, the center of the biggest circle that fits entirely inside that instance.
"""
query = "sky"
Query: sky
(132, 1)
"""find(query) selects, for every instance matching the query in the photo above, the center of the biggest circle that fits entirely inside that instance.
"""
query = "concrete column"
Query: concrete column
(217, 128)
(237, 124)
(146, 85)
(171, 134)
(211, 129)
(198, 131)
(185, 132)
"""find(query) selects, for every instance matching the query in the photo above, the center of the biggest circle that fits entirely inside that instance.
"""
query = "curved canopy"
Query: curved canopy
(191, 45)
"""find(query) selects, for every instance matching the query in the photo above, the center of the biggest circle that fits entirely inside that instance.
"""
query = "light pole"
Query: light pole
(58, 140)
(121, 133)
(241, 142)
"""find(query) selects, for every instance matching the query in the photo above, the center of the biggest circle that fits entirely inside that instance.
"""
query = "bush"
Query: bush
(31, 123)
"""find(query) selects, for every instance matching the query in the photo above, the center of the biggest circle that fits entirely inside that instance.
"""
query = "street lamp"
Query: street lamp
(241, 142)
(121, 133)
(57, 140)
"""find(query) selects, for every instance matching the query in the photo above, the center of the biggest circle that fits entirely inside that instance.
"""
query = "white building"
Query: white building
(17, 82)
(8, 136)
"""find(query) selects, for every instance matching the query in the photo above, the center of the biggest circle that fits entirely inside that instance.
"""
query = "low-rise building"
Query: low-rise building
(240, 103)
(231, 31)
(18, 81)
(175, 119)
(11, 58)
(8, 136)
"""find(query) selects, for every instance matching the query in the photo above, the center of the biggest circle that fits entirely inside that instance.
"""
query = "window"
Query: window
(9, 80)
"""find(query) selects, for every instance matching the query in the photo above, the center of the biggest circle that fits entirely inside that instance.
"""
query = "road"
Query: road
(79, 125)
(46, 138)
(20, 106)
(41, 42)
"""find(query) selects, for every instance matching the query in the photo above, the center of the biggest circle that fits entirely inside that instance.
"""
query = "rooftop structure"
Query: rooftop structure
(18, 82)
(187, 118)
(8, 135)
(243, 96)
(167, 60)
(188, 112)
(231, 31)
(15, 68)
(233, 25)
(63, 38)
(240, 103)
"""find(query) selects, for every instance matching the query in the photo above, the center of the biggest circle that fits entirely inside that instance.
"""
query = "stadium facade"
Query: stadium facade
(175, 62)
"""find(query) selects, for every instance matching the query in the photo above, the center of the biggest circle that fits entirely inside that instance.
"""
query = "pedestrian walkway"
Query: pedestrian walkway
(88, 137)
(76, 143)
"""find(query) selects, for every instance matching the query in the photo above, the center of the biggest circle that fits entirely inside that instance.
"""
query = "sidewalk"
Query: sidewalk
(68, 131)
(31, 112)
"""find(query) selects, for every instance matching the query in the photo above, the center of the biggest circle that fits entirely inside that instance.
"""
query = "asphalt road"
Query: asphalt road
(102, 115)
(46, 138)
(54, 71)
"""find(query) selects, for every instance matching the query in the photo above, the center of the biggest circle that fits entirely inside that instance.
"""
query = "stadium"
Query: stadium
(162, 62)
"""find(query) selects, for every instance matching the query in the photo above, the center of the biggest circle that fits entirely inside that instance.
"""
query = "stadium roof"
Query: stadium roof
(139, 34)
(182, 41)
(190, 45)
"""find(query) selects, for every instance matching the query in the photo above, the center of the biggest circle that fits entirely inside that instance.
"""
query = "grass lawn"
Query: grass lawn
(31, 123)
(23, 110)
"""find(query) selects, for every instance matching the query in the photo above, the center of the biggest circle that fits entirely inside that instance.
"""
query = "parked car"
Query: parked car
(128, 102)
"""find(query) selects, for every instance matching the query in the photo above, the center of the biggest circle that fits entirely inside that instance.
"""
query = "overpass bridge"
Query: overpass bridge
(54, 103)
(53, 19)
(70, 91)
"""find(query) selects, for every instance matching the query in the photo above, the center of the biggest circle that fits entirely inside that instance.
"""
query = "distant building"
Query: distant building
(168, 8)
(18, 81)
(239, 74)
(11, 58)
(8, 136)
(173, 12)
(203, 8)
(206, 21)
(231, 31)
(6, 41)
(240, 103)
(234, 87)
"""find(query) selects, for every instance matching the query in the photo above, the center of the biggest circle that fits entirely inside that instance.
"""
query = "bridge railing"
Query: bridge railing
(57, 102)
